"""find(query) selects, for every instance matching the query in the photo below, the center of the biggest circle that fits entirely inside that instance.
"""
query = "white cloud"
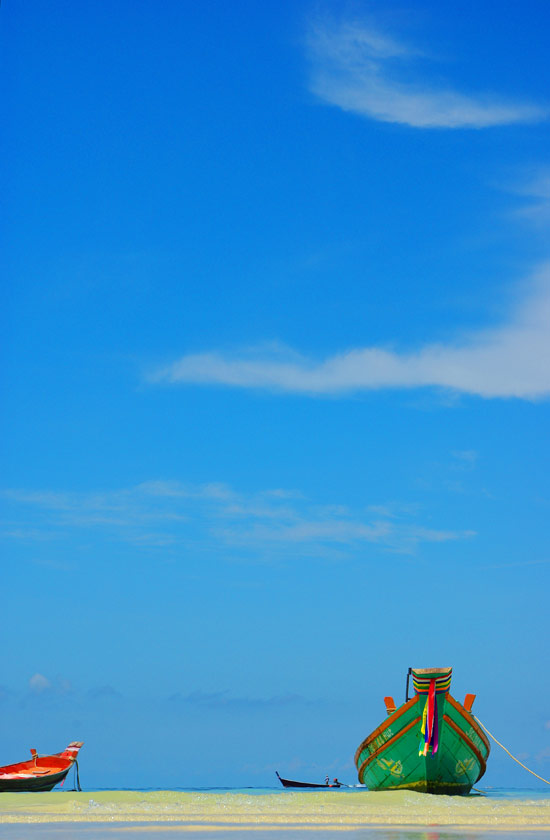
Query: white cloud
(360, 69)
(536, 189)
(400, 537)
(306, 531)
(39, 683)
(510, 360)
(173, 517)
(175, 489)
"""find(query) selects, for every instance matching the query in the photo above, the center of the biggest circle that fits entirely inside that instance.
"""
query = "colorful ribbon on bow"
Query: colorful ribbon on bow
(429, 729)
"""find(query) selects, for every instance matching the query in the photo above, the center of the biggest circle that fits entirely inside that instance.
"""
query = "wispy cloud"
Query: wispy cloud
(169, 516)
(39, 683)
(359, 68)
(536, 190)
(307, 537)
(509, 360)
(464, 459)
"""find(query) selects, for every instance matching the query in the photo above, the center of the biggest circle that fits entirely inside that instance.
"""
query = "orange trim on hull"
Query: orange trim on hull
(473, 723)
(388, 722)
(470, 744)
(384, 746)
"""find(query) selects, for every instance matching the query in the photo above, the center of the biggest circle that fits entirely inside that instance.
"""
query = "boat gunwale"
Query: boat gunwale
(471, 720)
(31, 768)
(384, 746)
(388, 722)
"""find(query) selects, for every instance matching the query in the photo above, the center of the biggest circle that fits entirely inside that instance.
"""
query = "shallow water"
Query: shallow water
(110, 815)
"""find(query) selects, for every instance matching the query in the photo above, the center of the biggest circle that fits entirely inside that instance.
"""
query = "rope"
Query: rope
(490, 734)
(76, 777)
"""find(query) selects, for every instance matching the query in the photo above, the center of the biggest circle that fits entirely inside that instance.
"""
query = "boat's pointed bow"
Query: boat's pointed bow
(72, 750)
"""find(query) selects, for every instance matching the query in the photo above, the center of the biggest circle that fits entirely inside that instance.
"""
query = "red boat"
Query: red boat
(41, 772)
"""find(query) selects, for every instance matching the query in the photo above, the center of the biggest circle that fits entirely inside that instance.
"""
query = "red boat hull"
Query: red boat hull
(32, 783)
(42, 772)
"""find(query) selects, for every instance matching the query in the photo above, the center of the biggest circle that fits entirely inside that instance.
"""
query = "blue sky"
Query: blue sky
(276, 317)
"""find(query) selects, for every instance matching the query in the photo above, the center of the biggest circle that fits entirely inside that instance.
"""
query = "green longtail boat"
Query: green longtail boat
(431, 744)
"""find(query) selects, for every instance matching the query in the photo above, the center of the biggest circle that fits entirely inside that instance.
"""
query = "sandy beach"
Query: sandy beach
(151, 814)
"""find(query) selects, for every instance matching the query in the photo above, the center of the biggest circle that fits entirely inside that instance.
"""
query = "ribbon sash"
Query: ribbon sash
(430, 728)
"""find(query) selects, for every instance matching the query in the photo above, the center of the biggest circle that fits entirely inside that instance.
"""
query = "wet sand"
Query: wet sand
(112, 815)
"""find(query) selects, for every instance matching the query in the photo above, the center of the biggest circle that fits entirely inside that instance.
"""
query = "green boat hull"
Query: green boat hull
(389, 759)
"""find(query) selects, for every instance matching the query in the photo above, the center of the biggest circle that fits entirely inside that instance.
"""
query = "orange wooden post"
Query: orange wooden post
(469, 702)
(390, 705)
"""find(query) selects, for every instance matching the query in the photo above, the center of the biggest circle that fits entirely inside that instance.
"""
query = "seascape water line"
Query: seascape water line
(400, 799)
(397, 800)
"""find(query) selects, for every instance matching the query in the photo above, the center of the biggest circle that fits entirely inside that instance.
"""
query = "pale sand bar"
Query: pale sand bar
(156, 814)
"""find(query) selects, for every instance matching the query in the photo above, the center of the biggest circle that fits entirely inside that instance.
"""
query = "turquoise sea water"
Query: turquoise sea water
(267, 813)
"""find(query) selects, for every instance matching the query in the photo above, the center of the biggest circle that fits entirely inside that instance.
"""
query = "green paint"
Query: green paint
(454, 768)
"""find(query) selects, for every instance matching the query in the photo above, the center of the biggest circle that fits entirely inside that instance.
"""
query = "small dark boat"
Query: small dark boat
(288, 783)
(41, 772)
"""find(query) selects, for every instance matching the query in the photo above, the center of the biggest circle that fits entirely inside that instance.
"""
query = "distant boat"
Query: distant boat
(41, 772)
(288, 783)
(431, 744)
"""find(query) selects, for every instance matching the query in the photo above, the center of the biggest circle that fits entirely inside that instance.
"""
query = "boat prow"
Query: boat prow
(431, 744)
(41, 772)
